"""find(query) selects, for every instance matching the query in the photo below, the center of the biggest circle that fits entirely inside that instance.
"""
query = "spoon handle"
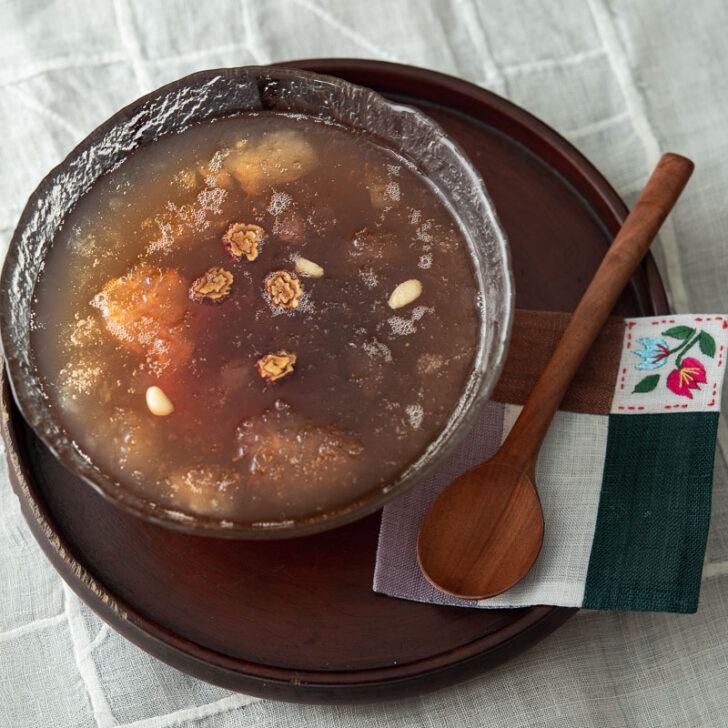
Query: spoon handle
(621, 260)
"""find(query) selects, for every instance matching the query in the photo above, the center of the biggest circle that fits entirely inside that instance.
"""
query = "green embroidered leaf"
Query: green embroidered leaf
(706, 343)
(647, 384)
(679, 332)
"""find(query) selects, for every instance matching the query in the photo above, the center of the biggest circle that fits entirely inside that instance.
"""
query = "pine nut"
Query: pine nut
(158, 402)
(405, 293)
(308, 268)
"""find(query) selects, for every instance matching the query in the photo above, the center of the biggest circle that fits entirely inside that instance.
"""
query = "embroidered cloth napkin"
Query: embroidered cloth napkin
(624, 475)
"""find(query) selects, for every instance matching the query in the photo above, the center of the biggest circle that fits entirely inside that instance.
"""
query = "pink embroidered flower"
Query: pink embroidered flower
(689, 374)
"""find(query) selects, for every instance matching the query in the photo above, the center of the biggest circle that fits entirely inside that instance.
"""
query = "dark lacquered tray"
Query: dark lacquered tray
(297, 619)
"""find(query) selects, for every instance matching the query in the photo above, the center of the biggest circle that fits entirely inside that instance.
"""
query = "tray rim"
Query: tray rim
(322, 686)
(260, 680)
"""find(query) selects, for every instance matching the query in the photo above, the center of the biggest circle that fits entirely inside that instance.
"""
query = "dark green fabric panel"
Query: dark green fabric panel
(651, 532)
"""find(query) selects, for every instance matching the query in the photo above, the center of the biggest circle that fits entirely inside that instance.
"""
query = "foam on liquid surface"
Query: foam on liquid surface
(371, 387)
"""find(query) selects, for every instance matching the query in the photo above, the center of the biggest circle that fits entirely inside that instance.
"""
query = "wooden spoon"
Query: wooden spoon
(484, 531)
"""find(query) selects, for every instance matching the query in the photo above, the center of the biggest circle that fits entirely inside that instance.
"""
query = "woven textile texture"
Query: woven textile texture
(622, 80)
(624, 475)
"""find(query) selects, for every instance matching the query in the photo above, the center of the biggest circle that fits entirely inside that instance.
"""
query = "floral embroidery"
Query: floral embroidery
(654, 352)
(688, 373)
(687, 377)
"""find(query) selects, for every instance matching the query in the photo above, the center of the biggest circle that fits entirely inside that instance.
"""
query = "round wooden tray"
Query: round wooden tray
(297, 619)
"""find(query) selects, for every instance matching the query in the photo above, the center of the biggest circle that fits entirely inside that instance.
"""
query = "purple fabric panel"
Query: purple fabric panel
(396, 572)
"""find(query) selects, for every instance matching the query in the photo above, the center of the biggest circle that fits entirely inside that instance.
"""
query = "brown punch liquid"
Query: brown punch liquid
(371, 386)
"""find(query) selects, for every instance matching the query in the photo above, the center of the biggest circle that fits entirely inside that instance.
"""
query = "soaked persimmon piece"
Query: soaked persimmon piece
(145, 310)
(277, 158)
(282, 444)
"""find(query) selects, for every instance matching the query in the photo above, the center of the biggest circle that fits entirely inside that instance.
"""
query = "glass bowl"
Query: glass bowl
(222, 93)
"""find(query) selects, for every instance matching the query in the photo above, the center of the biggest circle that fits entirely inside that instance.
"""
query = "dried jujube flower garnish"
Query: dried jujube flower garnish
(241, 240)
(214, 284)
(283, 289)
(276, 366)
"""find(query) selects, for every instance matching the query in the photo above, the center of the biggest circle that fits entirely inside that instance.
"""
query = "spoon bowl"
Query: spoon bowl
(484, 532)
(513, 539)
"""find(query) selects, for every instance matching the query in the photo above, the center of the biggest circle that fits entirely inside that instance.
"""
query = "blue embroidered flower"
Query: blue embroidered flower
(654, 353)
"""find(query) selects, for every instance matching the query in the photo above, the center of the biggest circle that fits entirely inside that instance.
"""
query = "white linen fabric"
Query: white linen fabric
(623, 81)
(654, 375)
(570, 500)
(569, 495)
(649, 344)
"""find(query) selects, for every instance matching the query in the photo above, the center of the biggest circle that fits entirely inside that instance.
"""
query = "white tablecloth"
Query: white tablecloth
(624, 81)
